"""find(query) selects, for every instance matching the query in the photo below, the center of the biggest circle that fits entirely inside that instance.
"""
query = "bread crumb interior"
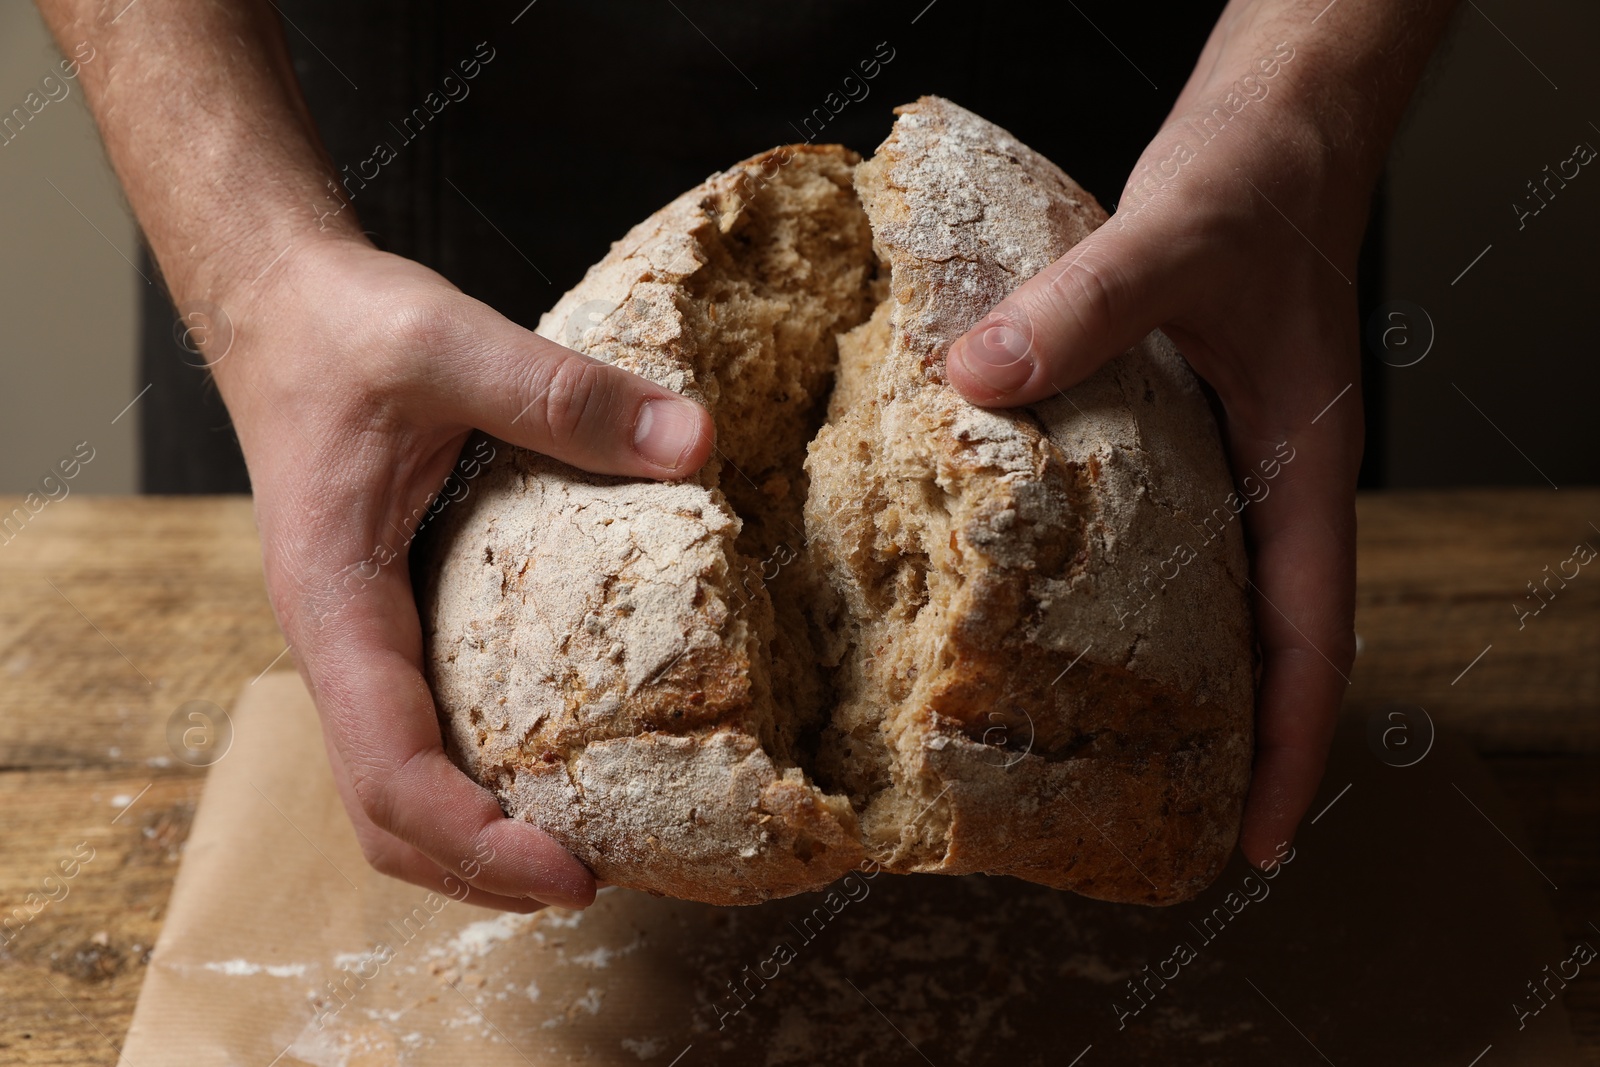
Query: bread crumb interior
(791, 268)
(844, 597)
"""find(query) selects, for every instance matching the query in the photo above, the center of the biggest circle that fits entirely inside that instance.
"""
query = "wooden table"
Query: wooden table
(114, 612)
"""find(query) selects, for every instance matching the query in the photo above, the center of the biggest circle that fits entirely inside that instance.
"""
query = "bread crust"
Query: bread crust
(595, 662)
(596, 667)
(1078, 727)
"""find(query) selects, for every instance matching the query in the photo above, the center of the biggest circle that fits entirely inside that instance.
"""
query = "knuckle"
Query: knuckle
(1086, 298)
(380, 853)
(574, 393)
(380, 858)
(387, 352)
(376, 799)
(381, 795)
(421, 323)
(406, 336)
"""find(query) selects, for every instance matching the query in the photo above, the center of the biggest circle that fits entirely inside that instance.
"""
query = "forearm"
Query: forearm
(204, 123)
(1351, 68)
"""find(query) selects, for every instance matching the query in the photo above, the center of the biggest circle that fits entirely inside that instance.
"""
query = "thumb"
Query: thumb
(532, 392)
(1059, 327)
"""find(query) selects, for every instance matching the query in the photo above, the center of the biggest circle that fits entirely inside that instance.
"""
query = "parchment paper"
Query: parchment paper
(1402, 931)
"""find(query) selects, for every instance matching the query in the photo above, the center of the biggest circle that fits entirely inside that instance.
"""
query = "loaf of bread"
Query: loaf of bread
(881, 624)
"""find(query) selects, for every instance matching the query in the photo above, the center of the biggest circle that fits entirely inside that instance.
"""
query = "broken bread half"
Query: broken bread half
(881, 625)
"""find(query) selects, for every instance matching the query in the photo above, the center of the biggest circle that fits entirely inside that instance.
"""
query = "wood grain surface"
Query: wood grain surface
(115, 612)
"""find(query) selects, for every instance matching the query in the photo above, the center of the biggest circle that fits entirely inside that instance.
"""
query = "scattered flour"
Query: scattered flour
(601, 956)
(238, 968)
(644, 1048)
(478, 939)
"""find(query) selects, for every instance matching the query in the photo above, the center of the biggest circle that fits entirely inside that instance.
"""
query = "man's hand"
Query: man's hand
(1237, 235)
(354, 378)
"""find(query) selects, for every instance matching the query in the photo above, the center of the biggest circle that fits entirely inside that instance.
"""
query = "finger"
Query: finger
(389, 855)
(1059, 327)
(1303, 564)
(365, 666)
(532, 392)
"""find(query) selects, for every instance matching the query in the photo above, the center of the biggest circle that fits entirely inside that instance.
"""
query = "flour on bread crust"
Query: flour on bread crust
(1066, 723)
(596, 664)
(1009, 692)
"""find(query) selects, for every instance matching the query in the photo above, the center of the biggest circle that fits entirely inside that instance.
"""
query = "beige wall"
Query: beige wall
(67, 298)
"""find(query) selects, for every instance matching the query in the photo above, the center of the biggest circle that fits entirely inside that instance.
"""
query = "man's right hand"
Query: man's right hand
(354, 377)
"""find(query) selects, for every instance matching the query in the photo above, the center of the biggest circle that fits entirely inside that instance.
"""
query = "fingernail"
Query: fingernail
(999, 355)
(665, 431)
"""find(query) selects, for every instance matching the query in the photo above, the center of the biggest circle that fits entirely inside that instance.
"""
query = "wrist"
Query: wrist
(1247, 122)
(228, 250)
(1336, 74)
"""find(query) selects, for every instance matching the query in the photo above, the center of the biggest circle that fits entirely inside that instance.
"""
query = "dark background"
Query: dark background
(594, 114)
